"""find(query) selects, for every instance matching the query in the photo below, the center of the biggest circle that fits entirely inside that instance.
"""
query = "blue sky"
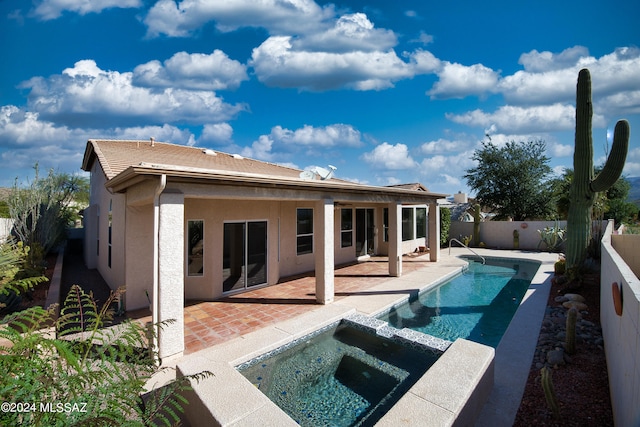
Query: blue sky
(387, 91)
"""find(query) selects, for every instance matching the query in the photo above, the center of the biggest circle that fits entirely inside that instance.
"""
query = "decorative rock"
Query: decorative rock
(574, 297)
(561, 298)
(552, 332)
(578, 305)
(555, 357)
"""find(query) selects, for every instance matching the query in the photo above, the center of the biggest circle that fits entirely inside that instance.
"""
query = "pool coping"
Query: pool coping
(474, 373)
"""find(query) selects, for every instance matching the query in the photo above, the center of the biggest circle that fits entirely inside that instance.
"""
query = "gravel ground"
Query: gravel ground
(580, 381)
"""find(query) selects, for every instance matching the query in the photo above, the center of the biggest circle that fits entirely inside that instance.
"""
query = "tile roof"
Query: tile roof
(124, 161)
(117, 155)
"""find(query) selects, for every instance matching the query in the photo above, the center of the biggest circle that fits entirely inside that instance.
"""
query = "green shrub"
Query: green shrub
(96, 372)
(445, 226)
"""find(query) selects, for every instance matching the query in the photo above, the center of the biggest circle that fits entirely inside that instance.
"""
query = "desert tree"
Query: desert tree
(512, 180)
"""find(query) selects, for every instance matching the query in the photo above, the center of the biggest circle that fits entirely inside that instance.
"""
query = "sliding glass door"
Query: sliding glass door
(244, 255)
(364, 232)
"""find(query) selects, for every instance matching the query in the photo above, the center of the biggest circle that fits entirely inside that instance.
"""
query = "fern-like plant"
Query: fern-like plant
(15, 277)
(77, 370)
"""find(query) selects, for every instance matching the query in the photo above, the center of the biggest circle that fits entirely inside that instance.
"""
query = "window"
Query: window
(407, 224)
(346, 228)
(195, 249)
(385, 224)
(304, 231)
(421, 222)
(110, 225)
(98, 231)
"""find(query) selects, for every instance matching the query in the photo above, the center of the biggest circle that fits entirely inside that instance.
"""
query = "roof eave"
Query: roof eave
(135, 174)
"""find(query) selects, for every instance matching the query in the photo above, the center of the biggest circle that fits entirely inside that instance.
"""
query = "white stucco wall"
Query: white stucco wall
(621, 334)
(627, 246)
(171, 293)
(499, 234)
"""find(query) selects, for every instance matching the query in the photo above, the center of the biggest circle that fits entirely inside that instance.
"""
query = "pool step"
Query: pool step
(415, 339)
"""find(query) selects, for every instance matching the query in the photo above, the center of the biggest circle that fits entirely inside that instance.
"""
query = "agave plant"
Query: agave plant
(552, 237)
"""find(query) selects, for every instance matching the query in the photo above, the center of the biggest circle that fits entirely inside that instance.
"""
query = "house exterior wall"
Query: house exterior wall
(105, 210)
(132, 237)
(215, 213)
(139, 247)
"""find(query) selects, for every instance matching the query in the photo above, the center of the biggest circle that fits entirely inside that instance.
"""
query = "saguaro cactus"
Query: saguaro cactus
(585, 186)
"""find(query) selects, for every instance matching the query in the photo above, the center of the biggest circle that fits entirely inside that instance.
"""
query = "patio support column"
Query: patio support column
(395, 239)
(434, 231)
(324, 258)
(171, 274)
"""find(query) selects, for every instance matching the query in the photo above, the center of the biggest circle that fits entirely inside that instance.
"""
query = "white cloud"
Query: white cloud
(350, 53)
(350, 32)
(165, 133)
(424, 62)
(194, 71)
(452, 164)
(339, 135)
(423, 38)
(260, 149)
(444, 173)
(281, 141)
(52, 9)
(441, 146)
(390, 157)
(218, 133)
(181, 18)
(277, 63)
(619, 104)
(536, 62)
(20, 127)
(632, 165)
(459, 81)
(559, 150)
(26, 139)
(550, 77)
(508, 118)
(87, 95)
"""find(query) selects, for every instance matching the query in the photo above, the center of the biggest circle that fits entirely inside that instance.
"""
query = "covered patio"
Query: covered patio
(209, 323)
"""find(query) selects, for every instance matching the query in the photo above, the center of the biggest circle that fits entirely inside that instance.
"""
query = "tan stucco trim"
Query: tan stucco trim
(136, 174)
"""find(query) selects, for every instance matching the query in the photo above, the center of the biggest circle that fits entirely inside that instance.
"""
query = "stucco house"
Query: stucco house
(174, 223)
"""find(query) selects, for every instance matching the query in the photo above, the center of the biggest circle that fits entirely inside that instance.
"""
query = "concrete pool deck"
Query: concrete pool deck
(362, 288)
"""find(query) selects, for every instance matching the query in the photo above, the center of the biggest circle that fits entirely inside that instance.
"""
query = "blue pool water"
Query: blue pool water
(339, 377)
(477, 305)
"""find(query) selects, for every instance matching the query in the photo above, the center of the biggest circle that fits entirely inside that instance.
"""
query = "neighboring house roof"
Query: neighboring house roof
(416, 186)
(126, 162)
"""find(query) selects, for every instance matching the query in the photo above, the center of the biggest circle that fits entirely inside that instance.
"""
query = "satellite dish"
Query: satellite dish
(324, 173)
(307, 175)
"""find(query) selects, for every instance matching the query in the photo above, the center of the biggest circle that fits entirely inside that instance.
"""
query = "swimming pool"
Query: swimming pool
(477, 305)
(338, 376)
